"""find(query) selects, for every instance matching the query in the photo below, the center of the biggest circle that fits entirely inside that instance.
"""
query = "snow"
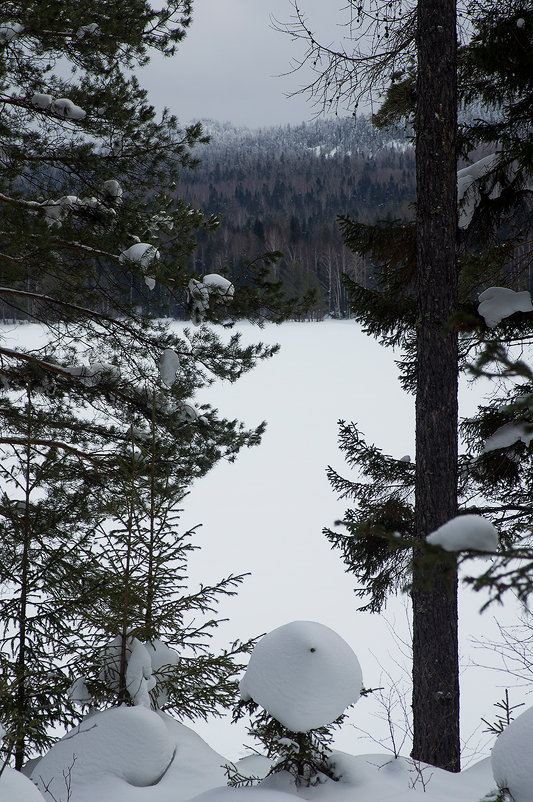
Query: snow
(162, 658)
(126, 743)
(508, 434)
(303, 674)
(139, 679)
(141, 252)
(188, 413)
(128, 754)
(90, 375)
(482, 174)
(134, 755)
(15, 787)
(112, 189)
(41, 101)
(198, 300)
(511, 758)
(56, 210)
(169, 364)
(79, 692)
(64, 107)
(9, 31)
(270, 505)
(369, 778)
(497, 303)
(199, 292)
(220, 284)
(467, 189)
(146, 663)
(465, 532)
(87, 29)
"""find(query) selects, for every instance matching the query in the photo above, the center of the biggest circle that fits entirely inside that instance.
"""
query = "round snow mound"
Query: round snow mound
(511, 762)
(130, 743)
(15, 787)
(303, 674)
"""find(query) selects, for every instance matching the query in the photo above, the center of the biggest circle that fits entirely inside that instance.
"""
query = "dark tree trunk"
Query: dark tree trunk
(435, 652)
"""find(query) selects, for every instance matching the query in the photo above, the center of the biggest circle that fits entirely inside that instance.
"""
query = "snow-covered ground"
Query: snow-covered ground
(264, 514)
(135, 755)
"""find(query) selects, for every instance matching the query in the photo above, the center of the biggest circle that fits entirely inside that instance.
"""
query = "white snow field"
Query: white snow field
(264, 514)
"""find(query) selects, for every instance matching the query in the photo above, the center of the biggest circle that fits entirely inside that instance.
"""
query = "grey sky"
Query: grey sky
(229, 65)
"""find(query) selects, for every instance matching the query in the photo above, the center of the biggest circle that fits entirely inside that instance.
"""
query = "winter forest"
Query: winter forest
(266, 401)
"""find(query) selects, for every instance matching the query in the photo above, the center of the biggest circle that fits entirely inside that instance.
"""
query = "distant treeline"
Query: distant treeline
(282, 189)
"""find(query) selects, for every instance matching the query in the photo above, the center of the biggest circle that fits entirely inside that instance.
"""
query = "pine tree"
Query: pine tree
(434, 592)
(95, 246)
(404, 254)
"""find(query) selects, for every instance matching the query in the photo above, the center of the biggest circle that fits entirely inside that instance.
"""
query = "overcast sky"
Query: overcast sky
(229, 66)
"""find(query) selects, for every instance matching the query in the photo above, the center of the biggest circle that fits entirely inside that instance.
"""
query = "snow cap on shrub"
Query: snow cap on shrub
(303, 674)
(511, 762)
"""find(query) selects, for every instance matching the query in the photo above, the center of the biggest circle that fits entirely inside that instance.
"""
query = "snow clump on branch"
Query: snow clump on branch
(200, 293)
(508, 434)
(497, 303)
(169, 363)
(303, 674)
(57, 210)
(9, 31)
(465, 532)
(87, 29)
(144, 255)
(64, 107)
(112, 190)
(41, 101)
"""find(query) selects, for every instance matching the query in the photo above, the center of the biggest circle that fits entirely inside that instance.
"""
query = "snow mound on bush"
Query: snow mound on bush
(512, 766)
(129, 754)
(15, 787)
(128, 742)
(303, 674)
(465, 532)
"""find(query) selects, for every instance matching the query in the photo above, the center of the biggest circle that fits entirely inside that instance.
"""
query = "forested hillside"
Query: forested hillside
(282, 189)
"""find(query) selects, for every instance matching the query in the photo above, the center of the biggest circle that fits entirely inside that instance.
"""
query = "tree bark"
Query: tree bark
(434, 596)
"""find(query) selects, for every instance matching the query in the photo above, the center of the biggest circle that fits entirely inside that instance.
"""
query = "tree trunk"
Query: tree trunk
(434, 597)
